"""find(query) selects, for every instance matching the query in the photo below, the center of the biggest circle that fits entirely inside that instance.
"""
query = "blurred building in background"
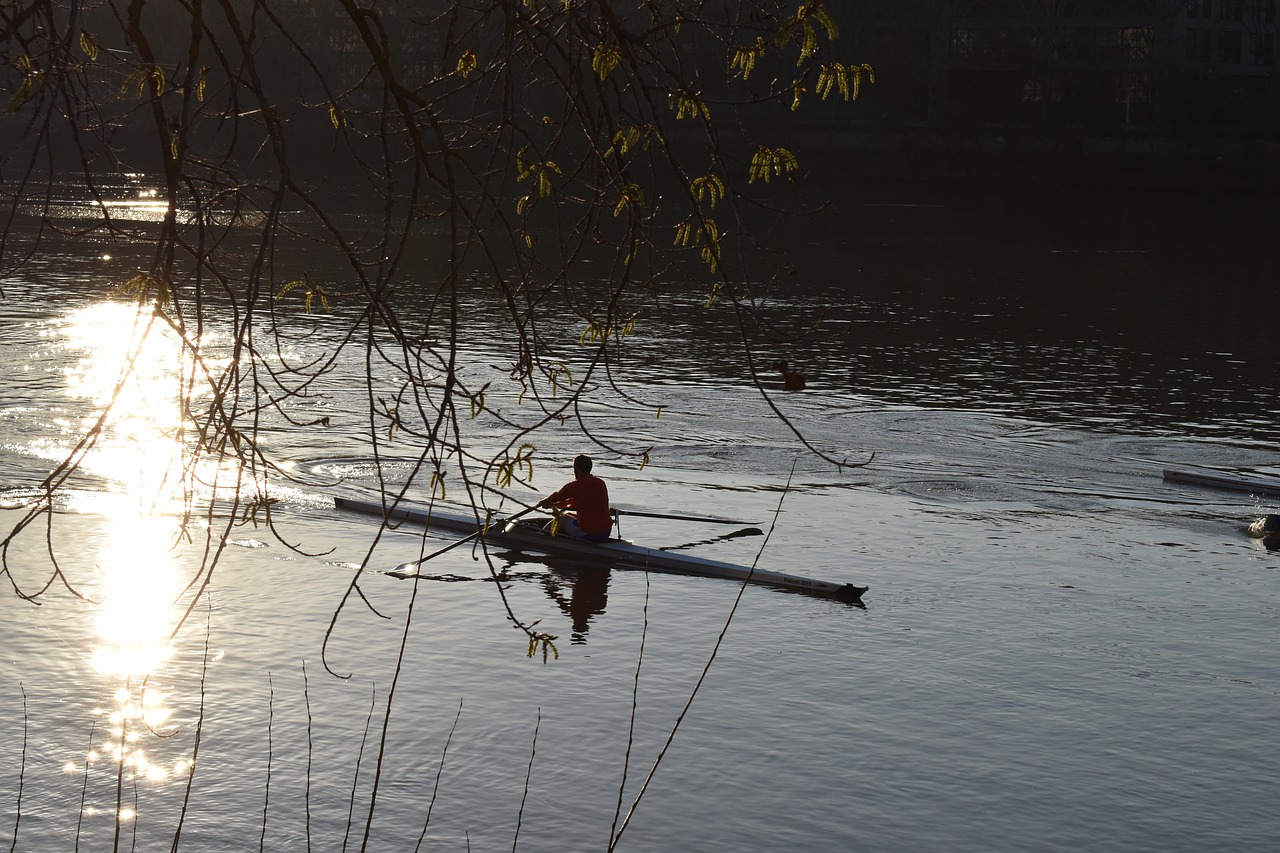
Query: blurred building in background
(1187, 84)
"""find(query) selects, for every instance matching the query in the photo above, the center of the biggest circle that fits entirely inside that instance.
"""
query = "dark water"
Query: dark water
(1059, 650)
(1135, 311)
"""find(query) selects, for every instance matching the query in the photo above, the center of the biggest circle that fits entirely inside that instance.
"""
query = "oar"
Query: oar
(700, 518)
(746, 531)
(404, 569)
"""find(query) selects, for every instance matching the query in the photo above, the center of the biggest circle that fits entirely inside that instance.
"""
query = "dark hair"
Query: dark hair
(582, 464)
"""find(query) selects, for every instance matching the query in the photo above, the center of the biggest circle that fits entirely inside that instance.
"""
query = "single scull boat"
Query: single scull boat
(618, 552)
(1218, 480)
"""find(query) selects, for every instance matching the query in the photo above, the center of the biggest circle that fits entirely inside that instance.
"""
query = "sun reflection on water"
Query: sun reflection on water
(146, 206)
(131, 364)
(139, 586)
(130, 375)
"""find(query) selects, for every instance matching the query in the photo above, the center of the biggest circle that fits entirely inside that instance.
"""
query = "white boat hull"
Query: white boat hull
(619, 552)
(1218, 480)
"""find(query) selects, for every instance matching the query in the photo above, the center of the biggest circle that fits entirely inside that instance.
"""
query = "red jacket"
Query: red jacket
(588, 497)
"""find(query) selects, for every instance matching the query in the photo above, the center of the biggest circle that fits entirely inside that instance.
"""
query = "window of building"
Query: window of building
(1137, 42)
(1123, 43)
(1231, 10)
(1042, 88)
(1110, 43)
(1200, 9)
(1108, 87)
(1263, 48)
(1231, 47)
(1031, 41)
(1198, 45)
(1076, 43)
(966, 44)
(1139, 88)
(995, 43)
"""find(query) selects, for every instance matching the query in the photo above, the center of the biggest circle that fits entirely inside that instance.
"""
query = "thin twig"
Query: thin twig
(22, 769)
(306, 695)
(124, 734)
(435, 789)
(524, 798)
(195, 746)
(84, 784)
(635, 707)
(355, 780)
(266, 788)
(386, 718)
(133, 822)
(702, 677)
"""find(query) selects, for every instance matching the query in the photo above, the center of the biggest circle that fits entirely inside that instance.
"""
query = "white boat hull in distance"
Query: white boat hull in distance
(619, 552)
(1219, 480)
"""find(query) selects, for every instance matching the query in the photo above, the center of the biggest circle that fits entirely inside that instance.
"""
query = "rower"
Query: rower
(588, 497)
(792, 380)
(1267, 529)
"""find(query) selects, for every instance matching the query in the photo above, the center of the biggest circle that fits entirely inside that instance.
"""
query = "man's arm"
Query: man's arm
(562, 498)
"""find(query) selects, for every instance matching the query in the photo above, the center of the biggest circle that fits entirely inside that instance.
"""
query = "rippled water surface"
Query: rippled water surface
(1059, 649)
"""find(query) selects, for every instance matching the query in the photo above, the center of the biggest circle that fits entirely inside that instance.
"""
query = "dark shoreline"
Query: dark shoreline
(984, 154)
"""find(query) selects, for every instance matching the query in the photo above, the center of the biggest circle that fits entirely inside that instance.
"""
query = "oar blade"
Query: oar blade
(403, 572)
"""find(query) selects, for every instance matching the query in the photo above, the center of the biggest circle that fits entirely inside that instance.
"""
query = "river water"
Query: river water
(1059, 650)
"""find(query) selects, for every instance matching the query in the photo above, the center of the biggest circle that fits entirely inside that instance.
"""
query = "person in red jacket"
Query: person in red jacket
(588, 497)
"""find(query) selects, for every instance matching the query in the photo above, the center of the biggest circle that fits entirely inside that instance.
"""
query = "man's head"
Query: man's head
(582, 464)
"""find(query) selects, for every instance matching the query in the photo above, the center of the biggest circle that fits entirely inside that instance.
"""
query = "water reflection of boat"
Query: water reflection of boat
(616, 552)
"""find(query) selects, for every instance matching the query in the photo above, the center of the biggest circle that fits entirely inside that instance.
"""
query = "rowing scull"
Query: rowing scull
(1219, 480)
(619, 552)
